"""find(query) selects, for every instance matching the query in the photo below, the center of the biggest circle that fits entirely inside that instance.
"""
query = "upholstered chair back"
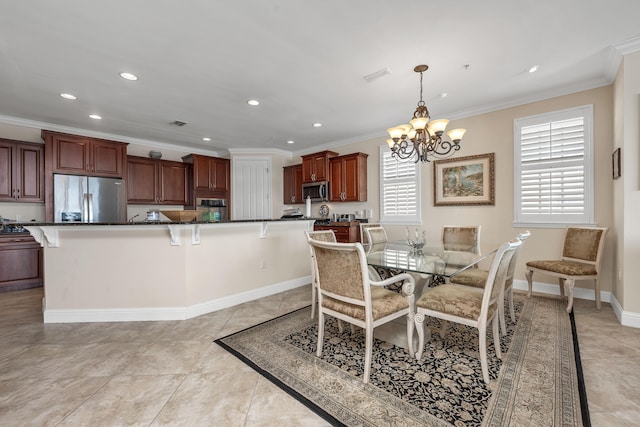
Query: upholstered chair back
(340, 270)
(376, 235)
(322, 235)
(364, 237)
(456, 238)
(583, 244)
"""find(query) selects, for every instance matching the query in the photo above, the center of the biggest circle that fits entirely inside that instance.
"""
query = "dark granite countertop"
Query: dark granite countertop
(72, 224)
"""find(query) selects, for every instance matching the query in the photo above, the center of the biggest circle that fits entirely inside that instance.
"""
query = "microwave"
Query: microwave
(316, 191)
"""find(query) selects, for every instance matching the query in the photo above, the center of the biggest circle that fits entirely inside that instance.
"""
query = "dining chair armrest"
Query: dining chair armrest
(408, 286)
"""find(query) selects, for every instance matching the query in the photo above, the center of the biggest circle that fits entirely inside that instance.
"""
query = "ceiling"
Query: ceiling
(199, 61)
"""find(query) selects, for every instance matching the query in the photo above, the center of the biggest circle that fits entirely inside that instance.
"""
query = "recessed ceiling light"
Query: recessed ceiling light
(444, 95)
(68, 96)
(290, 141)
(128, 76)
(206, 138)
(95, 116)
(317, 125)
(533, 69)
(253, 102)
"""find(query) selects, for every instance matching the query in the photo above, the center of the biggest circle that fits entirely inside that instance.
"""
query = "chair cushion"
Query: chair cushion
(383, 302)
(457, 300)
(569, 268)
(472, 277)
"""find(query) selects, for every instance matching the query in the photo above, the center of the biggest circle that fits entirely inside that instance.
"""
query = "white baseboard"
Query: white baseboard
(166, 313)
(626, 318)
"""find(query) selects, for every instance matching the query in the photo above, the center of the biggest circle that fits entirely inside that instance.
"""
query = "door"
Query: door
(107, 201)
(251, 188)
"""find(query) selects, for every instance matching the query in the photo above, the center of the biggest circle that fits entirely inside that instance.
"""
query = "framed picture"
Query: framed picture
(464, 181)
(615, 161)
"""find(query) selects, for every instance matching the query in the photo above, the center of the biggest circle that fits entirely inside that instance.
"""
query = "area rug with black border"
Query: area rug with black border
(536, 382)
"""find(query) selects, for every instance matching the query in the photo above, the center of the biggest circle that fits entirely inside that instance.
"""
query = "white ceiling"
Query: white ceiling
(199, 61)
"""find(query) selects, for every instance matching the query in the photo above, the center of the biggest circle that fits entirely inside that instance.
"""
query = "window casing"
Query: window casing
(399, 190)
(553, 164)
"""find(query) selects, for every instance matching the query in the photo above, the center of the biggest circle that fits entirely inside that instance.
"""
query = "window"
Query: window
(399, 190)
(554, 168)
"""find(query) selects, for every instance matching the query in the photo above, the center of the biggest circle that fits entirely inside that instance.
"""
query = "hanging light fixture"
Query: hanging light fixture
(423, 138)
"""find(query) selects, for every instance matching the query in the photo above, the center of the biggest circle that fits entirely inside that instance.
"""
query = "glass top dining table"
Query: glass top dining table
(435, 259)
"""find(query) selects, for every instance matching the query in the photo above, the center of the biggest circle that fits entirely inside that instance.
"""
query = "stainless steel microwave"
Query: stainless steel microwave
(316, 191)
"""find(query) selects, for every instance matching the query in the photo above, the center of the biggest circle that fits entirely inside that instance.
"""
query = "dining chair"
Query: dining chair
(468, 305)
(324, 236)
(477, 278)
(461, 238)
(581, 259)
(346, 292)
(364, 237)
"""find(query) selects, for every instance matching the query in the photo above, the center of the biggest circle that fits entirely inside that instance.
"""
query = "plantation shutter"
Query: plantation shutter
(399, 189)
(553, 185)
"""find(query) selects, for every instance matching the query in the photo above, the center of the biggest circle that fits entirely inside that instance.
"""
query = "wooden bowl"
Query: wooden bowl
(183, 216)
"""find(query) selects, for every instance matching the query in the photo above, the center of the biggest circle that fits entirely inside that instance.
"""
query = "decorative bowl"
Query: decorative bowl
(183, 216)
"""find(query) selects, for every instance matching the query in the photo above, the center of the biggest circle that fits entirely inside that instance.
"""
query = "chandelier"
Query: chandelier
(423, 138)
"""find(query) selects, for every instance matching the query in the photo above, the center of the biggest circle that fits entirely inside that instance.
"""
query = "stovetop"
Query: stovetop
(12, 229)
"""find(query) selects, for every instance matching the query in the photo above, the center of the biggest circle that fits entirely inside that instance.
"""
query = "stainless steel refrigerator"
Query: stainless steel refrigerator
(89, 199)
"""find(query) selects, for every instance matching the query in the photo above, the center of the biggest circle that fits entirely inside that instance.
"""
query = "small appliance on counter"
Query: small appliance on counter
(213, 209)
(153, 215)
(291, 213)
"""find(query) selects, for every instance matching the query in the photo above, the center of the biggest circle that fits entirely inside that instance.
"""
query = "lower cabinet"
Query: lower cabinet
(346, 232)
(21, 261)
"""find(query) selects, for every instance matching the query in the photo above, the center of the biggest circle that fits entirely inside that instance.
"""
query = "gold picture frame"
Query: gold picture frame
(464, 181)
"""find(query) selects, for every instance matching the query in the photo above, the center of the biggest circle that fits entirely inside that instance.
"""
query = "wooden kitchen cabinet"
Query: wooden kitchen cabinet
(292, 187)
(315, 167)
(348, 178)
(157, 182)
(345, 232)
(21, 171)
(79, 155)
(21, 261)
(210, 174)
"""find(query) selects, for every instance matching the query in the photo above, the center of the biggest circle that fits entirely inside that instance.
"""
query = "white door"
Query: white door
(251, 188)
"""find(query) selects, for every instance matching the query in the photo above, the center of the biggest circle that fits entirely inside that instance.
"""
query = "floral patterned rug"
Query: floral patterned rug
(534, 384)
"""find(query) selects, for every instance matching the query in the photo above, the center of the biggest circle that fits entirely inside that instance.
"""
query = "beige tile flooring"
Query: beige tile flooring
(171, 373)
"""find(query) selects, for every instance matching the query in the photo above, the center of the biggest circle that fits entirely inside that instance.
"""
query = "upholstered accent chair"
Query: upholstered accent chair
(469, 306)
(581, 259)
(346, 292)
(324, 236)
(477, 277)
(461, 238)
(364, 237)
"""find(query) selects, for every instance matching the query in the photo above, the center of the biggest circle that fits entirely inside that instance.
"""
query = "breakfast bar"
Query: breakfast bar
(166, 271)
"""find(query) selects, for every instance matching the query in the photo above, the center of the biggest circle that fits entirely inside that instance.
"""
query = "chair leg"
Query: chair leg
(501, 317)
(340, 326)
(443, 329)
(562, 285)
(320, 333)
(512, 312)
(367, 357)
(410, 327)
(313, 300)
(496, 338)
(597, 285)
(353, 328)
(419, 322)
(570, 283)
(529, 275)
(482, 333)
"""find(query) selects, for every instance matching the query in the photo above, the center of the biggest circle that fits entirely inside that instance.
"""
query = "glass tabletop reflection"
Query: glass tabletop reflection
(431, 259)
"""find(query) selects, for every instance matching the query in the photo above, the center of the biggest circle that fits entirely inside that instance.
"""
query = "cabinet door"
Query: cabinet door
(351, 183)
(21, 258)
(7, 186)
(221, 174)
(29, 164)
(292, 184)
(307, 169)
(173, 177)
(320, 167)
(142, 185)
(107, 158)
(202, 173)
(336, 179)
(71, 155)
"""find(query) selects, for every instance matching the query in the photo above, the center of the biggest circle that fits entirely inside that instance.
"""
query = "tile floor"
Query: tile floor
(171, 373)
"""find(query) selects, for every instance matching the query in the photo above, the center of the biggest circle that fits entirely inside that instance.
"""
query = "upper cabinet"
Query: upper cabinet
(211, 176)
(21, 171)
(348, 178)
(79, 155)
(292, 187)
(154, 181)
(315, 167)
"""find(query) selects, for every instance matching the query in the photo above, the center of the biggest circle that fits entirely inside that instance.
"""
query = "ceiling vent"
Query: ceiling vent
(375, 76)
(178, 123)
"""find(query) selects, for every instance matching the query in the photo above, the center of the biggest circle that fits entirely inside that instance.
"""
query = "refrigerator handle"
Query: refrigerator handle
(87, 208)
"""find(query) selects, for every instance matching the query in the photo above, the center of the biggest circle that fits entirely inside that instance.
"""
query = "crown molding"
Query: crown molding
(628, 46)
(275, 151)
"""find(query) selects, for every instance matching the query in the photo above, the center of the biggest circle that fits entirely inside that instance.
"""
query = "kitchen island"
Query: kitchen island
(166, 271)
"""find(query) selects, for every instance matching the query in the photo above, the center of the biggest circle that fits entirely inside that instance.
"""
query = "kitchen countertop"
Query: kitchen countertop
(127, 223)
